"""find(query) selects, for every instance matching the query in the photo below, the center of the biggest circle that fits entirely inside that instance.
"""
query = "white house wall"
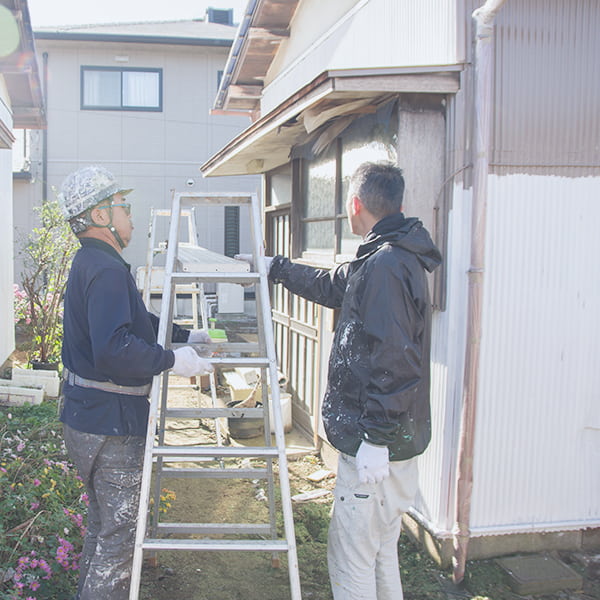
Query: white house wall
(372, 34)
(539, 358)
(435, 505)
(7, 326)
(152, 152)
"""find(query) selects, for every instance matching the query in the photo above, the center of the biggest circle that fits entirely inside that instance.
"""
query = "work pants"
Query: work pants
(362, 552)
(111, 468)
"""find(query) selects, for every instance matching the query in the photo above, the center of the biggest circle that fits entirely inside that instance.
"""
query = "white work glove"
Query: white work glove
(199, 336)
(188, 363)
(250, 260)
(372, 463)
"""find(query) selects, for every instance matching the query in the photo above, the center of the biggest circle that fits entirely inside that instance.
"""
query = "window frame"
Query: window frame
(121, 70)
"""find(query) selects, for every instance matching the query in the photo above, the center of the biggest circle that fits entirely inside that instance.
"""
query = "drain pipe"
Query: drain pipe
(45, 135)
(483, 22)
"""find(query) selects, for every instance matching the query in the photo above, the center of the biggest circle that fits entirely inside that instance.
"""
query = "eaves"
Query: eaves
(314, 113)
(132, 39)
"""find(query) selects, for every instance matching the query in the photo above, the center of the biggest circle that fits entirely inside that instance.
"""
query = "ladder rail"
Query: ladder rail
(136, 571)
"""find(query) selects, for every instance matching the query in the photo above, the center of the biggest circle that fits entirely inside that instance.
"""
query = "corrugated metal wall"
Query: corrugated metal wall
(437, 466)
(373, 34)
(547, 91)
(538, 424)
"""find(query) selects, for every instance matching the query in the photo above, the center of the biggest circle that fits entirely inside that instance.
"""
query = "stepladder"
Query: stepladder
(217, 457)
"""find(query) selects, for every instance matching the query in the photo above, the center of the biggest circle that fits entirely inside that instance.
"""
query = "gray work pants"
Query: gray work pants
(111, 468)
(362, 550)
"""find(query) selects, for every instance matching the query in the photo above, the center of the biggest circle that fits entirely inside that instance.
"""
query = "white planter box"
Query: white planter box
(12, 395)
(48, 380)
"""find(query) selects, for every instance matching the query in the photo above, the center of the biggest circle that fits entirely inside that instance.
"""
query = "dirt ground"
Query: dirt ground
(206, 575)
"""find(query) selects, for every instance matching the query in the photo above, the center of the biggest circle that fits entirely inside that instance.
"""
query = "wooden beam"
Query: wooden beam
(433, 83)
(245, 91)
(271, 34)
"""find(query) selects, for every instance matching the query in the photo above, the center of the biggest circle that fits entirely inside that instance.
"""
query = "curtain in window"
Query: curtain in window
(102, 88)
(140, 89)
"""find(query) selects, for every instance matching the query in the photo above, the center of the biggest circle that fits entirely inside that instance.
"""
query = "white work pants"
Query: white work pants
(362, 552)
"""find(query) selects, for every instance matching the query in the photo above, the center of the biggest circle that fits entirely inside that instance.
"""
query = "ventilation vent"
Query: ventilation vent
(223, 17)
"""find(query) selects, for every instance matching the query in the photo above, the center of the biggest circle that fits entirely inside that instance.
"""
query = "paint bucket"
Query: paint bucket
(241, 428)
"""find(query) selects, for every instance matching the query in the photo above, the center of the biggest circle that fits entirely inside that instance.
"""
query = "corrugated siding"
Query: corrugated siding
(547, 90)
(437, 466)
(373, 34)
(538, 422)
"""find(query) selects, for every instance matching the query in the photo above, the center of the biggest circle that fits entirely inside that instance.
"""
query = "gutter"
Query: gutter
(132, 39)
(45, 134)
(483, 21)
(234, 55)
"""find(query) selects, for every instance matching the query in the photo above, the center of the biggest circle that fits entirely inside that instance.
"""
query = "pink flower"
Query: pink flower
(34, 585)
(35, 505)
(37, 482)
(20, 446)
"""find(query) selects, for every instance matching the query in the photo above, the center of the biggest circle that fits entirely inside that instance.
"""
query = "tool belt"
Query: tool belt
(106, 386)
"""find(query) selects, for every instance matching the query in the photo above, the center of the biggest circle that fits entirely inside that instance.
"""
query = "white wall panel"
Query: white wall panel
(7, 325)
(437, 466)
(538, 421)
(372, 34)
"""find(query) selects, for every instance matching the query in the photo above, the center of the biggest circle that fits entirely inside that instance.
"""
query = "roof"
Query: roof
(21, 74)
(191, 32)
(319, 111)
(264, 26)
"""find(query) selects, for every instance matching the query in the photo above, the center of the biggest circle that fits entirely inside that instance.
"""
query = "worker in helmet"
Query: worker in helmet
(110, 355)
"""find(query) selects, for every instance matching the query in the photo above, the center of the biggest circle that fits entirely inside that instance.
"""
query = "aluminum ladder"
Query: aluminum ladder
(196, 292)
(217, 461)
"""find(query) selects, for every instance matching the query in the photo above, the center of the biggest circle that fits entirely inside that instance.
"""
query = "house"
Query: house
(21, 107)
(494, 118)
(135, 98)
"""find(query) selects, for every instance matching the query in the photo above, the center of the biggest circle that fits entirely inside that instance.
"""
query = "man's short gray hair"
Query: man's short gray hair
(380, 187)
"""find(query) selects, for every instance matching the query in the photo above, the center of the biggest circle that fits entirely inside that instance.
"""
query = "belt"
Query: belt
(106, 386)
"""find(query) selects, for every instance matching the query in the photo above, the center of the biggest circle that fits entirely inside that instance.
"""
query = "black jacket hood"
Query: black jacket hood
(408, 234)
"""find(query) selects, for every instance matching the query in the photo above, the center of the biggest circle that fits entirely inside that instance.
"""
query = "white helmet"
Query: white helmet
(84, 189)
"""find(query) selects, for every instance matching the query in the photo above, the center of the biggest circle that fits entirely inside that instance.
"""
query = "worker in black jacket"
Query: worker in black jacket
(376, 408)
(110, 356)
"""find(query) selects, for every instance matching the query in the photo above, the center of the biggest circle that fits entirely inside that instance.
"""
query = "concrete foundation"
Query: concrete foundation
(493, 546)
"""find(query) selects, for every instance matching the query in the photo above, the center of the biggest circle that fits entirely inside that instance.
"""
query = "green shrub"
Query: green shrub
(42, 502)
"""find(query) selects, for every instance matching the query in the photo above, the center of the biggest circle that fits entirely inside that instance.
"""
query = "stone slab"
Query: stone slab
(539, 574)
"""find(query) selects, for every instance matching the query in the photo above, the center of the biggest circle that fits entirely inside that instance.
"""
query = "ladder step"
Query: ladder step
(206, 544)
(215, 528)
(256, 361)
(192, 452)
(214, 413)
(214, 473)
(223, 347)
(208, 198)
(212, 277)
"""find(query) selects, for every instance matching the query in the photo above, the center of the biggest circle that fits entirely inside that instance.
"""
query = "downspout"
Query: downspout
(483, 22)
(45, 135)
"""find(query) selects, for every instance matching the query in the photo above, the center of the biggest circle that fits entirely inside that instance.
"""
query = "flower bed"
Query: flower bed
(42, 500)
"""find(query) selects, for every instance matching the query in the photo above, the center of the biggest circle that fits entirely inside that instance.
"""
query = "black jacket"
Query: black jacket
(378, 380)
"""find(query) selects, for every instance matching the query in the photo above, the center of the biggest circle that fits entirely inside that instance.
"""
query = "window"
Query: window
(323, 221)
(114, 88)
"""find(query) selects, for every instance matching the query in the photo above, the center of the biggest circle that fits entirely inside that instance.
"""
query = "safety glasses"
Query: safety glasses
(126, 207)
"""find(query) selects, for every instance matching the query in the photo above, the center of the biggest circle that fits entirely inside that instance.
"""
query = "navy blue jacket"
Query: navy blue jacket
(108, 336)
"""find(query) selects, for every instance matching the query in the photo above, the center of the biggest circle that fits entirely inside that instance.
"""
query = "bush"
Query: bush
(42, 500)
